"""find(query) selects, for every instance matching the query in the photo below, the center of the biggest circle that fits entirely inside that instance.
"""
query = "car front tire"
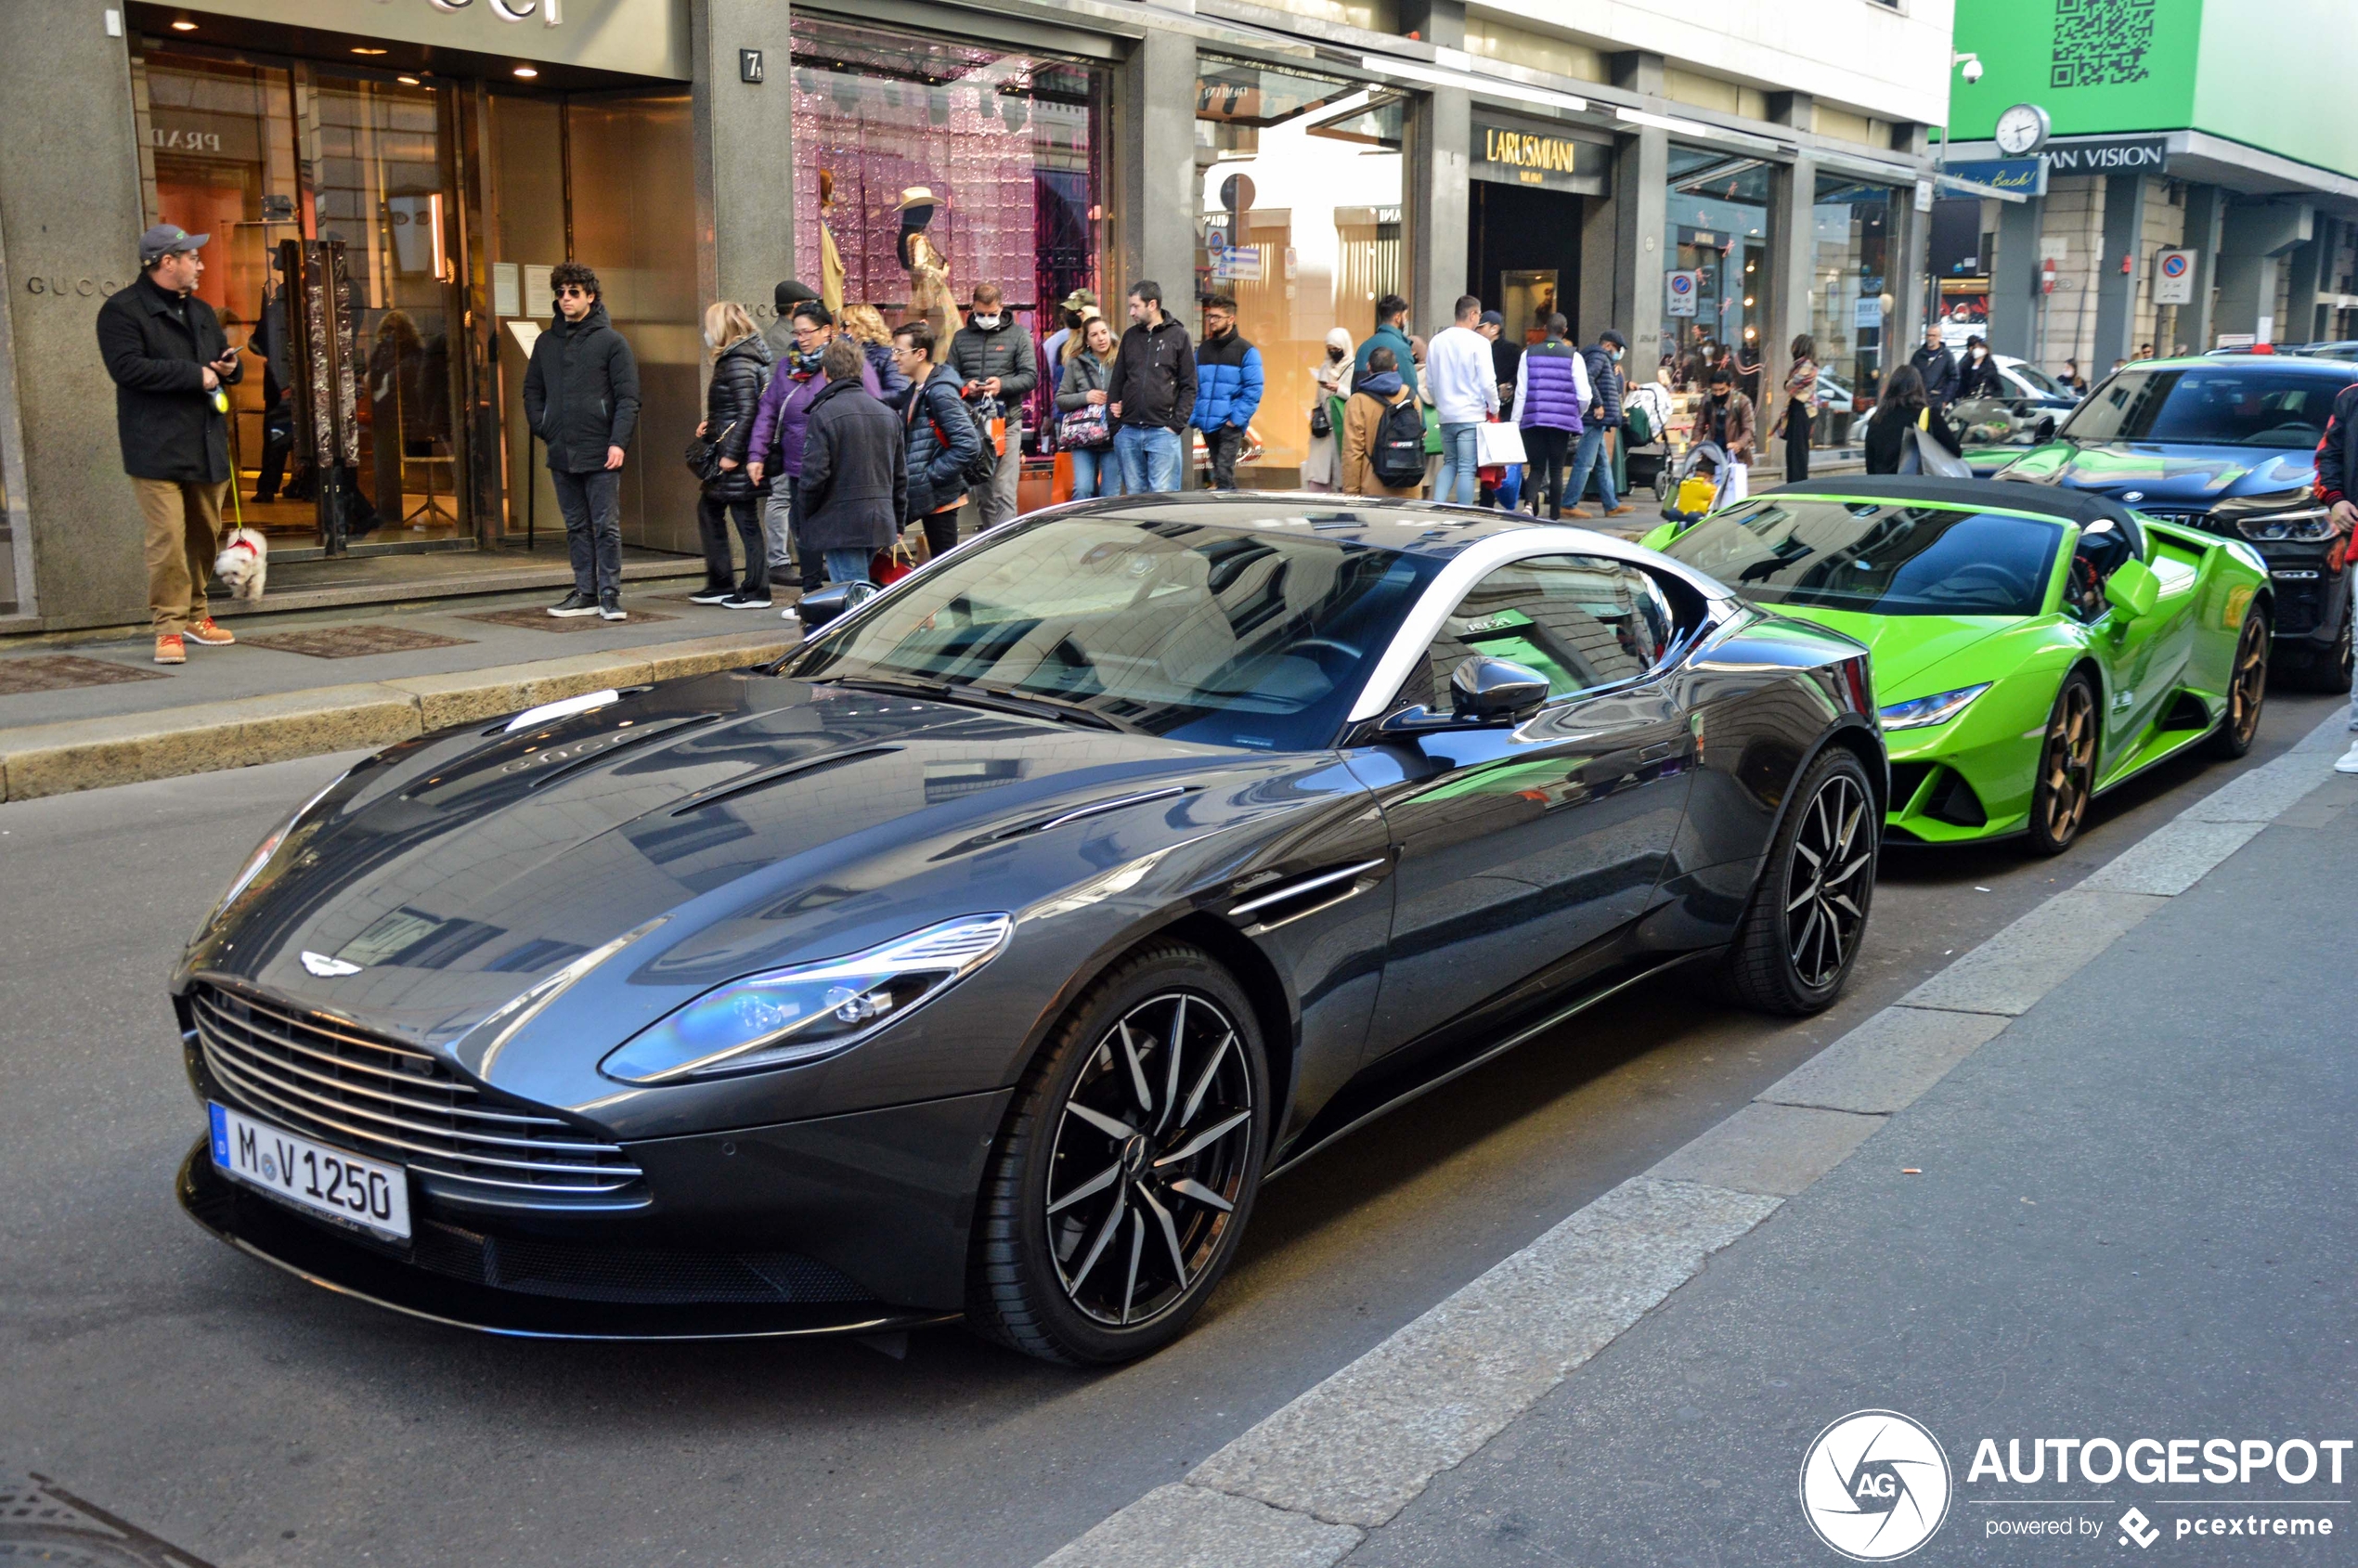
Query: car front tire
(2247, 690)
(1128, 1166)
(1808, 912)
(2067, 779)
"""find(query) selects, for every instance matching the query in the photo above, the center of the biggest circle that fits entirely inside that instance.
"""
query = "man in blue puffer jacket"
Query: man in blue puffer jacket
(1227, 388)
(1551, 392)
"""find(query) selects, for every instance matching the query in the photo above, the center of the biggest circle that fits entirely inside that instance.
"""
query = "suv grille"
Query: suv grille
(399, 1105)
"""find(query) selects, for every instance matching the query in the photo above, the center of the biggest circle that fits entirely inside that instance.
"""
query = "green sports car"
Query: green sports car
(2032, 647)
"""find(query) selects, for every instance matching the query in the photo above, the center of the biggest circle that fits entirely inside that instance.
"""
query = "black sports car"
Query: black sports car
(984, 955)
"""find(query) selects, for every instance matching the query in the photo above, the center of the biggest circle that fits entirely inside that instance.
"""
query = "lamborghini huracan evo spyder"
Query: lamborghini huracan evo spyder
(982, 956)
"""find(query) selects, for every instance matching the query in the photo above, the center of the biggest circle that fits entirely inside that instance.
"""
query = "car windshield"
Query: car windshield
(1256, 637)
(1876, 559)
(2242, 402)
(2036, 378)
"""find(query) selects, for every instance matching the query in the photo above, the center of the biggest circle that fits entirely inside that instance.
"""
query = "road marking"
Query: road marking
(1302, 1487)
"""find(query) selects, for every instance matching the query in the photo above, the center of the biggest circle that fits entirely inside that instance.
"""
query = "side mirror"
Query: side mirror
(817, 609)
(2132, 588)
(2042, 429)
(1487, 691)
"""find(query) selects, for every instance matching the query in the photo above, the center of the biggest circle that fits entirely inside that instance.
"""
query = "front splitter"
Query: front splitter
(256, 1225)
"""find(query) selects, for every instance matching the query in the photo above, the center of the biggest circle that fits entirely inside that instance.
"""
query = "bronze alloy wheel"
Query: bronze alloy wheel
(2066, 769)
(2246, 689)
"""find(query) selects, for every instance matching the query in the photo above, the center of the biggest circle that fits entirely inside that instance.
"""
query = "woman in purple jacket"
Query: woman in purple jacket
(781, 424)
(1550, 393)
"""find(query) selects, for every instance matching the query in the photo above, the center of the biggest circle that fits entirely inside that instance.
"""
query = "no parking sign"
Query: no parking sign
(2174, 277)
(1684, 286)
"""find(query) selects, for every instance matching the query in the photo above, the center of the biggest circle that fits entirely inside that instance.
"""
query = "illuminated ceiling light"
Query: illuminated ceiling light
(528, 73)
(407, 81)
(184, 25)
(362, 49)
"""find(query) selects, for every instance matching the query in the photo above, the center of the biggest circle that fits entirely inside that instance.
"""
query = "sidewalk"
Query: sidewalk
(97, 712)
(2135, 1219)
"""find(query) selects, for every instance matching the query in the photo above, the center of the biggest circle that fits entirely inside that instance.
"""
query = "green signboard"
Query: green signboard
(2275, 76)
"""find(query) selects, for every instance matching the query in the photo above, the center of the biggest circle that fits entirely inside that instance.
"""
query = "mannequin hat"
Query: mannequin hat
(919, 196)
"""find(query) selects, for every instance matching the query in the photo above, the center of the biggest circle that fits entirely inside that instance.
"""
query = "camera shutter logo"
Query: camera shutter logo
(1875, 1486)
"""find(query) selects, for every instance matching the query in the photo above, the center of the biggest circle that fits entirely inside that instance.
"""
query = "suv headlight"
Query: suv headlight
(1917, 712)
(810, 1010)
(2309, 523)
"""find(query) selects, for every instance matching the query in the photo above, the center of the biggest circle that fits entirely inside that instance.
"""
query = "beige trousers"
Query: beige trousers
(183, 533)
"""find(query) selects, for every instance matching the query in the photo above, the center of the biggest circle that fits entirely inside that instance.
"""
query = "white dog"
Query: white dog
(243, 564)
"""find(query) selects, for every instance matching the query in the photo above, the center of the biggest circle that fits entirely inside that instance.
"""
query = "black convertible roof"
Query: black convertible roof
(2083, 506)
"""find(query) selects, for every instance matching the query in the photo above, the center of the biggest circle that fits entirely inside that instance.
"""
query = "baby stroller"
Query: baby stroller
(1693, 489)
(1645, 452)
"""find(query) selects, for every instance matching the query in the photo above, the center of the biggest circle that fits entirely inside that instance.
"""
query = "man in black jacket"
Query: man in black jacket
(997, 370)
(1937, 366)
(1152, 393)
(855, 475)
(165, 350)
(2336, 481)
(581, 396)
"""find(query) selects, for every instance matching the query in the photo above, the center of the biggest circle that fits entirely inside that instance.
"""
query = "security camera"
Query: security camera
(1972, 69)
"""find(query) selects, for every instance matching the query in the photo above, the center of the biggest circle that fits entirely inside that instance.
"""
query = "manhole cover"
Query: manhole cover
(352, 641)
(40, 1521)
(59, 672)
(541, 620)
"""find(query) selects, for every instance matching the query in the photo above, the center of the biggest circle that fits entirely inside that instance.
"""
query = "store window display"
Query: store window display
(1852, 296)
(1300, 220)
(925, 166)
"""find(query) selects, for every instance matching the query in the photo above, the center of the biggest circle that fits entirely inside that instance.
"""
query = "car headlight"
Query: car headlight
(264, 853)
(1917, 712)
(2309, 525)
(811, 1010)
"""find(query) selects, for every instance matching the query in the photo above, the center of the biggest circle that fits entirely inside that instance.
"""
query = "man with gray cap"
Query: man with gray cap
(171, 366)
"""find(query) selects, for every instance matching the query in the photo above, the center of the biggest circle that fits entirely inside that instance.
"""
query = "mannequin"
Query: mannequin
(830, 259)
(929, 296)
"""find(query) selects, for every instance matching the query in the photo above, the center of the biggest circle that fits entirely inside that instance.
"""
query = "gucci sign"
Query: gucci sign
(76, 288)
(507, 10)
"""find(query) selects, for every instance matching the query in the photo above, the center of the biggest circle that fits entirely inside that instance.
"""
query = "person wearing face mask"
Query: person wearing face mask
(1601, 429)
(780, 428)
(1322, 465)
(998, 370)
(1726, 417)
(1978, 376)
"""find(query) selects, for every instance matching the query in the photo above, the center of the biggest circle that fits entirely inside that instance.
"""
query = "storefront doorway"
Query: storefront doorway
(1717, 206)
(1528, 200)
(450, 201)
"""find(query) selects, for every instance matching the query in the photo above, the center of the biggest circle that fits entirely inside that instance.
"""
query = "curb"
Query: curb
(1304, 1485)
(42, 760)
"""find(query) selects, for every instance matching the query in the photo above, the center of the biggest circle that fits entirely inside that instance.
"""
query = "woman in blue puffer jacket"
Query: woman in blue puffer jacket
(1551, 390)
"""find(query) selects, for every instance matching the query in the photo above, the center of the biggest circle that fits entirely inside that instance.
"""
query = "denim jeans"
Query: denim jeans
(1590, 454)
(592, 506)
(848, 565)
(1149, 458)
(1458, 480)
(1092, 469)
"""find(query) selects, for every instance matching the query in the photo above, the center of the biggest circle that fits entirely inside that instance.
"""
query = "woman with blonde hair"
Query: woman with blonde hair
(739, 370)
(865, 324)
(1085, 436)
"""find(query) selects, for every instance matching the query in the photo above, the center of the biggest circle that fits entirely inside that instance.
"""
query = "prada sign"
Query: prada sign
(640, 37)
(1513, 155)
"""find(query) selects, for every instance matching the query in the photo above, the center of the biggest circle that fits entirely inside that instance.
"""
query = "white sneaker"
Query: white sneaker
(2349, 763)
(788, 615)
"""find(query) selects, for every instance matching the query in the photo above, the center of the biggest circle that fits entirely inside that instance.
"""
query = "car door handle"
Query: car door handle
(1657, 751)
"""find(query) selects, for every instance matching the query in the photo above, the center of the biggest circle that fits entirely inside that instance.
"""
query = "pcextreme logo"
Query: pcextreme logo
(1875, 1486)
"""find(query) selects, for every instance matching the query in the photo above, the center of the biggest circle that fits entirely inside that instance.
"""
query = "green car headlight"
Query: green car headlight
(781, 1016)
(2309, 525)
(1918, 712)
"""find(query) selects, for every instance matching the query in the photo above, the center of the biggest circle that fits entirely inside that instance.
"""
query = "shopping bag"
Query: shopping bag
(1732, 485)
(1496, 444)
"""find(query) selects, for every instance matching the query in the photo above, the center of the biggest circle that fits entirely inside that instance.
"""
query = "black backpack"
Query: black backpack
(1397, 454)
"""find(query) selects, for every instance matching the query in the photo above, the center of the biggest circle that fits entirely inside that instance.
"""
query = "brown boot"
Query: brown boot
(1578, 511)
(170, 649)
(1622, 511)
(210, 634)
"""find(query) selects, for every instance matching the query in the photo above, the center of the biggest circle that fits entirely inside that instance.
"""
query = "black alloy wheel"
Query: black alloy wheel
(2067, 778)
(2246, 689)
(2328, 670)
(1801, 934)
(1132, 1156)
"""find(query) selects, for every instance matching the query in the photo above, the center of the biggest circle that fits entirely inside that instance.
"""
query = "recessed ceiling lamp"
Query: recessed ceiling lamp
(407, 81)
(527, 72)
(184, 25)
(360, 49)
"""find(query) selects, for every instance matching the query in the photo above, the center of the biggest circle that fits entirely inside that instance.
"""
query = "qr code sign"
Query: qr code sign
(2100, 42)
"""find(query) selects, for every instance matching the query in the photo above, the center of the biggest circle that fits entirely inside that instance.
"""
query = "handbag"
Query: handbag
(1931, 456)
(891, 563)
(1084, 429)
(704, 454)
(1322, 424)
(1496, 444)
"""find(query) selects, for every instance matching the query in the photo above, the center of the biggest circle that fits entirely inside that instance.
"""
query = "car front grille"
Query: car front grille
(343, 1086)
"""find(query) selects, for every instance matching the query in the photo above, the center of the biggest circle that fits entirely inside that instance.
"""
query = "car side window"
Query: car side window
(1582, 621)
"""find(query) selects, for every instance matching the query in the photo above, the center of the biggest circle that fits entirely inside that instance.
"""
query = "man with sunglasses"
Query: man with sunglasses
(581, 396)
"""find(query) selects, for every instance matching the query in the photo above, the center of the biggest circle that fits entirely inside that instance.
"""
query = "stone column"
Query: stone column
(2116, 288)
(2014, 279)
(2205, 208)
(1158, 190)
(745, 153)
(2306, 263)
(1793, 200)
(1439, 209)
(73, 221)
(1908, 279)
(1641, 177)
(2254, 238)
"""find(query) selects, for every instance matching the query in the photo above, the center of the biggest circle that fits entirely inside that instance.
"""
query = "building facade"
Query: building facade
(2199, 186)
(1739, 173)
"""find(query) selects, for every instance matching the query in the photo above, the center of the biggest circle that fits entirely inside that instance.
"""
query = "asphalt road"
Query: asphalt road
(250, 1418)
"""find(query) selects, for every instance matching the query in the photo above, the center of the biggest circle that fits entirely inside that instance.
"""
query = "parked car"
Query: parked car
(2226, 444)
(2032, 648)
(983, 955)
(1998, 430)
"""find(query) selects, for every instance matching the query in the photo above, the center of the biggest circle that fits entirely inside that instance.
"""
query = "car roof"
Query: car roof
(1412, 527)
(2317, 367)
(2065, 505)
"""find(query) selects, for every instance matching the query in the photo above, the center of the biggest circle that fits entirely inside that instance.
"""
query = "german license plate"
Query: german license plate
(326, 1181)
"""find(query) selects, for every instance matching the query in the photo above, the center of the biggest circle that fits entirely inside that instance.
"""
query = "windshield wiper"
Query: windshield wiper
(973, 694)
